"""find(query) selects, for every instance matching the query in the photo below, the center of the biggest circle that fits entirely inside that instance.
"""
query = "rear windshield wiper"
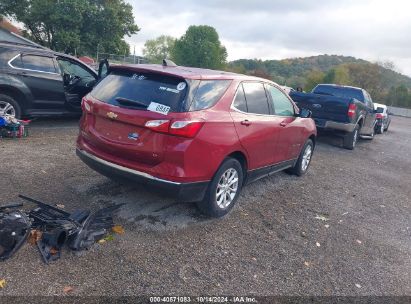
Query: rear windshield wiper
(130, 101)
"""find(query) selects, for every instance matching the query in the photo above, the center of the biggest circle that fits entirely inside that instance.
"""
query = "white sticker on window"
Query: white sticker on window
(158, 108)
(169, 90)
(181, 86)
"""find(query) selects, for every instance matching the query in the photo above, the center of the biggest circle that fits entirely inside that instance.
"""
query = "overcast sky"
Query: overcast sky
(277, 29)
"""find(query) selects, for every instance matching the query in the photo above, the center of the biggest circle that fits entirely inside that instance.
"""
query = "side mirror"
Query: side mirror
(103, 68)
(305, 113)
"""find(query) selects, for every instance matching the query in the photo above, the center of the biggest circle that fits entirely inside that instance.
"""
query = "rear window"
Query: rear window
(339, 92)
(143, 88)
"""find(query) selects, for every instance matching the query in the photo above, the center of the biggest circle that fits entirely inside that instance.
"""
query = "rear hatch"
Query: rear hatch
(122, 104)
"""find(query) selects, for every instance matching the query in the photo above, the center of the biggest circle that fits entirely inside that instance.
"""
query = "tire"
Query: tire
(380, 129)
(210, 206)
(304, 159)
(9, 105)
(350, 139)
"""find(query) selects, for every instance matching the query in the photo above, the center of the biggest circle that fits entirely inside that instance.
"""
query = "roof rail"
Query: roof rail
(37, 46)
(168, 63)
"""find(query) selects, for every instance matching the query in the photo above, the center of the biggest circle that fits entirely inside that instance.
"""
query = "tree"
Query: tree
(156, 50)
(200, 47)
(338, 75)
(71, 26)
(313, 78)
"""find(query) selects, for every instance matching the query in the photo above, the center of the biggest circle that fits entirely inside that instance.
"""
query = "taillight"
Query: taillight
(85, 105)
(379, 115)
(351, 110)
(160, 125)
(184, 128)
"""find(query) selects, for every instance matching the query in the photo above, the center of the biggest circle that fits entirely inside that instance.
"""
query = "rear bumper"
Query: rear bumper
(187, 192)
(333, 125)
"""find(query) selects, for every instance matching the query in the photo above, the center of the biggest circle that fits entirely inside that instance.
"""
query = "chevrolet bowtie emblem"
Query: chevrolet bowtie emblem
(112, 115)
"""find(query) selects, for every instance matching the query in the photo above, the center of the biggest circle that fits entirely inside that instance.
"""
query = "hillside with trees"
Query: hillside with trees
(380, 79)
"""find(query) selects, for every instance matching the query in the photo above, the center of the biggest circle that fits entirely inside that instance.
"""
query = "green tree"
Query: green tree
(200, 47)
(71, 26)
(338, 75)
(156, 50)
(313, 78)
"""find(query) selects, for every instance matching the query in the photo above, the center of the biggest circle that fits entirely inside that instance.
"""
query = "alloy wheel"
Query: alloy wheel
(306, 158)
(227, 188)
(7, 109)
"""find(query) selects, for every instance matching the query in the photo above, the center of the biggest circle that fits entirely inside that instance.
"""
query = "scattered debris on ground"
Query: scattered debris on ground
(2, 283)
(10, 127)
(51, 229)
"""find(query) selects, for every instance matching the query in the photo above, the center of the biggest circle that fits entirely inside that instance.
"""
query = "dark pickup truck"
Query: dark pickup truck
(342, 109)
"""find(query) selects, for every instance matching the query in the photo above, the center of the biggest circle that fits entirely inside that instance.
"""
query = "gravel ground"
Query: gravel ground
(342, 229)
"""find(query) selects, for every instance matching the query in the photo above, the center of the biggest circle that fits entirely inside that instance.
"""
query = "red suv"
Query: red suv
(200, 133)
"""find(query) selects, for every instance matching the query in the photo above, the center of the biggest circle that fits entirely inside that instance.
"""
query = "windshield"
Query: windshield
(121, 88)
(339, 91)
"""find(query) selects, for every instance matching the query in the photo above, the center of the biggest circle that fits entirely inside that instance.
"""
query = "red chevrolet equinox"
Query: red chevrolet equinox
(201, 134)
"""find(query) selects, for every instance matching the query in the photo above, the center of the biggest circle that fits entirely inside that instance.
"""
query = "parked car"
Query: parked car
(345, 110)
(383, 118)
(201, 134)
(36, 81)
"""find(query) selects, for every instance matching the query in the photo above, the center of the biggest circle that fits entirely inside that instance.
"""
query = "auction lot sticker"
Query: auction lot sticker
(158, 108)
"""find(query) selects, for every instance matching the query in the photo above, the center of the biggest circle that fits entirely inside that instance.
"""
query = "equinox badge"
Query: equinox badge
(112, 115)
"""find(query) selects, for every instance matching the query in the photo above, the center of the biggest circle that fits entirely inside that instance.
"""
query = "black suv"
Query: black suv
(36, 81)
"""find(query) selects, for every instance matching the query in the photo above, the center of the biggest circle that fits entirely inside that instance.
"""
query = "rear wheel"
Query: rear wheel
(304, 160)
(8, 106)
(350, 139)
(224, 189)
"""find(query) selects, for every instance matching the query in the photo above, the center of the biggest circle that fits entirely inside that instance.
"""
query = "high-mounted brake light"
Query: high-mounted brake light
(351, 110)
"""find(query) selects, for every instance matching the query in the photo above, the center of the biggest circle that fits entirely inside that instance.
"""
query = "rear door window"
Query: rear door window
(256, 97)
(37, 63)
(137, 90)
(208, 93)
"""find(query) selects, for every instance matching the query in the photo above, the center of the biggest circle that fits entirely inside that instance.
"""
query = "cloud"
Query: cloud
(369, 29)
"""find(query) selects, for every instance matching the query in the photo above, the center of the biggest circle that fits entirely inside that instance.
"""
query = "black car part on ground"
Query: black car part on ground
(78, 230)
(14, 230)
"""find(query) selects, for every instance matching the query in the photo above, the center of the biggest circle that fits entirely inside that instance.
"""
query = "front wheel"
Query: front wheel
(304, 160)
(224, 189)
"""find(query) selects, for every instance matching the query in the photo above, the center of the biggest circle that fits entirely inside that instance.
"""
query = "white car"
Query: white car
(382, 118)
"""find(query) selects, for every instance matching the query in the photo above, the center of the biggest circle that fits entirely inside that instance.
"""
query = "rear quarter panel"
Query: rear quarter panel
(200, 157)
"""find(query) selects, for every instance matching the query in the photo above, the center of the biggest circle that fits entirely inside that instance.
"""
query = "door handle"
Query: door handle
(246, 123)
(23, 74)
(283, 123)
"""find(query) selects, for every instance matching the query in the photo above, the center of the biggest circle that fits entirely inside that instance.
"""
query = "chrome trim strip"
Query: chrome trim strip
(13, 67)
(124, 169)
